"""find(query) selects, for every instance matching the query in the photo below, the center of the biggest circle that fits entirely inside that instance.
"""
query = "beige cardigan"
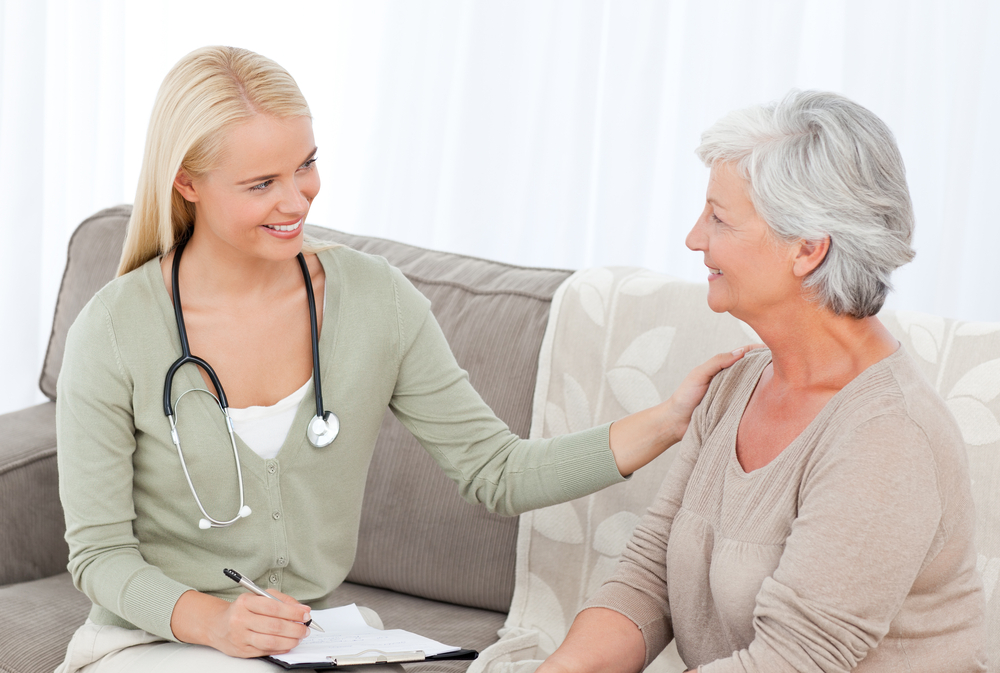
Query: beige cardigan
(851, 551)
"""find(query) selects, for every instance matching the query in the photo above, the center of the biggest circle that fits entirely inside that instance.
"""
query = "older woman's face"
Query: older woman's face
(750, 270)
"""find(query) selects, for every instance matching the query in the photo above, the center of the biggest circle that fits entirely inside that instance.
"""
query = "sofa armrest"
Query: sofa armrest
(31, 516)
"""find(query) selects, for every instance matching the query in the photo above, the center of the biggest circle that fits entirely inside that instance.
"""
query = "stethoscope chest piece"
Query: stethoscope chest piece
(322, 430)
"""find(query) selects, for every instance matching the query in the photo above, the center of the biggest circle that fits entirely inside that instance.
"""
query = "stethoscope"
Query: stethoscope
(321, 431)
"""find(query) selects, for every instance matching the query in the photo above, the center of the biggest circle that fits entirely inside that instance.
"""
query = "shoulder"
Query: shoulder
(363, 275)
(894, 394)
(127, 300)
(891, 422)
(735, 383)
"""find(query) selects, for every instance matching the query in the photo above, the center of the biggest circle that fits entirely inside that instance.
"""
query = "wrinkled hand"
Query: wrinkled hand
(250, 626)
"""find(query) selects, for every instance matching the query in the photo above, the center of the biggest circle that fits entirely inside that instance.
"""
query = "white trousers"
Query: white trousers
(112, 649)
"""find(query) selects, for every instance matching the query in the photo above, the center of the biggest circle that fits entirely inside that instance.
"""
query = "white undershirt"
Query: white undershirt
(264, 429)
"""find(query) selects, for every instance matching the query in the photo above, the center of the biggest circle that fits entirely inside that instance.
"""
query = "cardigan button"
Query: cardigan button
(276, 516)
(273, 578)
(272, 468)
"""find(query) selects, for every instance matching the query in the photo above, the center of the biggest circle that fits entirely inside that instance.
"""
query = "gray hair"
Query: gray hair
(819, 165)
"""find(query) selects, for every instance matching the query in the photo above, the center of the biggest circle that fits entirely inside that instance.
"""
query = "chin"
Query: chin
(718, 304)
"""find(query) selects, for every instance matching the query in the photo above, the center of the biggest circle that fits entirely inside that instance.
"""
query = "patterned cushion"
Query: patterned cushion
(620, 340)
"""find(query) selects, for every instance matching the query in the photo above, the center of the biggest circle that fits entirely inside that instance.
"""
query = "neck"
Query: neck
(229, 273)
(811, 347)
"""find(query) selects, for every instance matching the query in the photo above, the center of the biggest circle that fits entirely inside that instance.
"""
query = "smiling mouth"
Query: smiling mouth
(715, 272)
(286, 227)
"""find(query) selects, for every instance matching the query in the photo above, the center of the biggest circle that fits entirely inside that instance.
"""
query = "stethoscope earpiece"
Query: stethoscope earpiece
(322, 430)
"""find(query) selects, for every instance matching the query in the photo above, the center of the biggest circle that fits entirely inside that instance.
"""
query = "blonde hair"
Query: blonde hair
(206, 93)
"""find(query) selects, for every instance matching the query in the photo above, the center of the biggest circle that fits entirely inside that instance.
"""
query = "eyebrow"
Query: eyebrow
(263, 178)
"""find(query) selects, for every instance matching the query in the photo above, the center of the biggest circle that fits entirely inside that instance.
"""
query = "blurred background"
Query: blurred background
(539, 132)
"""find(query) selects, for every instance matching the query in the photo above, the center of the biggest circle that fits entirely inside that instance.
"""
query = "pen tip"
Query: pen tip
(232, 574)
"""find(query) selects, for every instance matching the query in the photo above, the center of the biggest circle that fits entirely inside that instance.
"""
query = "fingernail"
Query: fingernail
(738, 351)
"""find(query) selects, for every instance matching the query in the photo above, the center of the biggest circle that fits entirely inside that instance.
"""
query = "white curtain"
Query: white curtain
(539, 132)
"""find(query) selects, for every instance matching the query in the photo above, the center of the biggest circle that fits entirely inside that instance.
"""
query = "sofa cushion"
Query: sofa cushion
(91, 261)
(37, 620)
(417, 535)
(31, 518)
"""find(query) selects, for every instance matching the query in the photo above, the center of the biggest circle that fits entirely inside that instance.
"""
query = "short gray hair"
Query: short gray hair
(819, 165)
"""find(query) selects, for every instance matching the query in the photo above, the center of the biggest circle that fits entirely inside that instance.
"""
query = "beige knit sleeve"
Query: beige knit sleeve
(638, 587)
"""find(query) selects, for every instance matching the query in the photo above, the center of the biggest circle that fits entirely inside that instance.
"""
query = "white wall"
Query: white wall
(540, 132)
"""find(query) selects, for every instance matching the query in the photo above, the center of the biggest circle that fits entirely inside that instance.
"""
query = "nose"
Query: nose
(696, 239)
(298, 197)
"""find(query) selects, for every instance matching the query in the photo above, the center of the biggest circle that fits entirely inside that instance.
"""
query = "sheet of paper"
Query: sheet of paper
(347, 634)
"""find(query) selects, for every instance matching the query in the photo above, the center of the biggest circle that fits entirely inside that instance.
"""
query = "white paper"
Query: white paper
(348, 634)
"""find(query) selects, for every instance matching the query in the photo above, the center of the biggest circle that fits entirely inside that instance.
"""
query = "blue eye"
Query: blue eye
(309, 164)
(262, 186)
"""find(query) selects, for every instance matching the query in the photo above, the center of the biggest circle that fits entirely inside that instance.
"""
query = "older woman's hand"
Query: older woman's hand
(641, 437)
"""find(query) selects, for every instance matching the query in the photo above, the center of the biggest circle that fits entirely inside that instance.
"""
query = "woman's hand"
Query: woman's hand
(637, 439)
(250, 626)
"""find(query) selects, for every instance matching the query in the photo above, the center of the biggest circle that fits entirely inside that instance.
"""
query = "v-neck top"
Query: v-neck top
(264, 429)
(852, 550)
(132, 522)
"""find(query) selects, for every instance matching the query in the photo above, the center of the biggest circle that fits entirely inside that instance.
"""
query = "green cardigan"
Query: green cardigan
(132, 523)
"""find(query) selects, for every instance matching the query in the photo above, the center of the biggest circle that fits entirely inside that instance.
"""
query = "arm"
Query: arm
(622, 648)
(434, 400)
(97, 443)
(628, 620)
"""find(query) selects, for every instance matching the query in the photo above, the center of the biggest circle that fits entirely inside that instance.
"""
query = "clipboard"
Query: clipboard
(368, 657)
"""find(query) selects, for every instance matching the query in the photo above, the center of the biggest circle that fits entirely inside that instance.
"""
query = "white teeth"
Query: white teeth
(287, 227)
(715, 271)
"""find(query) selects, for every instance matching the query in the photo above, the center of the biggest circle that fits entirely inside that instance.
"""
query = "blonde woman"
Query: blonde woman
(212, 268)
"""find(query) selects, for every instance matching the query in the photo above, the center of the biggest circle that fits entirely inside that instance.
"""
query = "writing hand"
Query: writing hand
(250, 626)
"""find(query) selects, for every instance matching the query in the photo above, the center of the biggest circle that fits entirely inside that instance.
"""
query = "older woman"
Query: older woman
(818, 516)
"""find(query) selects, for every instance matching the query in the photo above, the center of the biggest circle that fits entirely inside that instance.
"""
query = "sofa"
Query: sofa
(551, 351)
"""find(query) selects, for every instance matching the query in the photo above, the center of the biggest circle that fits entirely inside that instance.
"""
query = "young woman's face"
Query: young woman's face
(256, 200)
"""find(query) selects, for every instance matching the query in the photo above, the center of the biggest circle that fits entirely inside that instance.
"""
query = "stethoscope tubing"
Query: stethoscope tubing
(321, 431)
(314, 334)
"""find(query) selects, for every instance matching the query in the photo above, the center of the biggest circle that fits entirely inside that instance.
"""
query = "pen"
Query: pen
(243, 581)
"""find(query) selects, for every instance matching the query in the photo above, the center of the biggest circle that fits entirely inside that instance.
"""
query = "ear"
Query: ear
(810, 255)
(184, 184)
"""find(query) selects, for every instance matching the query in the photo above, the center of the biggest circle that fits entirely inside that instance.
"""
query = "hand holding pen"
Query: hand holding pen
(246, 583)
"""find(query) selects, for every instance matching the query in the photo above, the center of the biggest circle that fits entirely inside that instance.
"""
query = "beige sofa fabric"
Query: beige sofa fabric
(91, 261)
(620, 340)
(417, 536)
